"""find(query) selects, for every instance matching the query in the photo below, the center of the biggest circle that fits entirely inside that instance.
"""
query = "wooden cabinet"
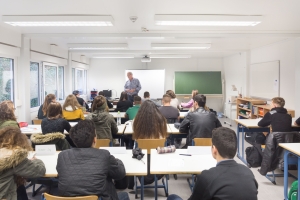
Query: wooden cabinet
(254, 108)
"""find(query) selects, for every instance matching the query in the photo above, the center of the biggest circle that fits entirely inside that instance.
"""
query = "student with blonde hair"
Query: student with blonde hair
(42, 113)
(191, 102)
(72, 110)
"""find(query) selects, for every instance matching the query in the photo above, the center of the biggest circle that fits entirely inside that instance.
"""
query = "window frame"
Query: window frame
(39, 84)
(74, 79)
(14, 68)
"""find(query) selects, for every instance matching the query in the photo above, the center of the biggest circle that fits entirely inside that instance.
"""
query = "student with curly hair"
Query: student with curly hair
(7, 114)
(14, 164)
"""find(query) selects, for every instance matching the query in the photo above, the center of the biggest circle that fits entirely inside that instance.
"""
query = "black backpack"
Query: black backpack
(255, 138)
(254, 155)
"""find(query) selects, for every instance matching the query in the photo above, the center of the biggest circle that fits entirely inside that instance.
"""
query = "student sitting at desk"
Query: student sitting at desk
(278, 117)
(228, 180)
(42, 113)
(174, 101)
(123, 104)
(131, 112)
(7, 115)
(80, 100)
(15, 167)
(53, 128)
(168, 111)
(200, 123)
(86, 170)
(105, 123)
(110, 105)
(147, 97)
(149, 123)
(191, 102)
(72, 110)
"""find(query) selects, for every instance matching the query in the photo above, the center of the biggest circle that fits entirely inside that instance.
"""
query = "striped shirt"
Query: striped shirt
(133, 84)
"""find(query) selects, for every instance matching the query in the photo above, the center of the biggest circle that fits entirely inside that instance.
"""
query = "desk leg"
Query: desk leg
(142, 188)
(155, 185)
(238, 139)
(243, 147)
(122, 140)
(241, 155)
(285, 174)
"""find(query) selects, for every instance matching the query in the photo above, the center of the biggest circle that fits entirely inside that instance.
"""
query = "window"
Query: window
(79, 80)
(53, 77)
(34, 85)
(6, 79)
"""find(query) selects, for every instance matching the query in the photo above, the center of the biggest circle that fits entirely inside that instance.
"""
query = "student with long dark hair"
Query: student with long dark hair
(42, 113)
(123, 103)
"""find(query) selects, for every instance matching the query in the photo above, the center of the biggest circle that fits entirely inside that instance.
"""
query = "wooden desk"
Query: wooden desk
(250, 125)
(121, 129)
(290, 148)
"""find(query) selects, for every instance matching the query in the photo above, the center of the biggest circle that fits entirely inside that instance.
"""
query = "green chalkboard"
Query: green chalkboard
(204, 82)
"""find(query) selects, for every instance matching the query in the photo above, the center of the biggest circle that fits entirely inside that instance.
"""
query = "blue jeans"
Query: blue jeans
(174, 197)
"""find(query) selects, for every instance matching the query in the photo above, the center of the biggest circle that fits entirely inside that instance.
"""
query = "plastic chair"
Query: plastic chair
(103, 143)
(198, 142)
(46, 196)
(37, 121)
(151, 144)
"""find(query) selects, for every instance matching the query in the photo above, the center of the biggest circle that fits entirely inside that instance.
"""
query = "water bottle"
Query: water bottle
(118, 118)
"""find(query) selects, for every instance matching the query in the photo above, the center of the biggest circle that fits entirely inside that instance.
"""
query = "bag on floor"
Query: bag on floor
(254, 155)
(255, 138)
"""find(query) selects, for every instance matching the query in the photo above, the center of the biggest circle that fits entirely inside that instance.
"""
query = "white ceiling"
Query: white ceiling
(281, 21)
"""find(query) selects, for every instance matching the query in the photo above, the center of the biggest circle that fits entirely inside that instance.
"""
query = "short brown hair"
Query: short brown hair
(54, 110)
(137, 99)
(279, 101)
(171, 93)
(200, 99)
(146, 94)
(166, 98)
(7, 111)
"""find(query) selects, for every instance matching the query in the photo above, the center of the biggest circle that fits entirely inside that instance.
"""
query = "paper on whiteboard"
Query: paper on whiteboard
(275, 85)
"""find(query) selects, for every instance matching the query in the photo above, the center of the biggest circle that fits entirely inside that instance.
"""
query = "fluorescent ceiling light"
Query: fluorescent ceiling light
(58, 20)
(180, 46)
(170, 56)
(208, 20)
(147, 37)
(114, 56)
(97, 46)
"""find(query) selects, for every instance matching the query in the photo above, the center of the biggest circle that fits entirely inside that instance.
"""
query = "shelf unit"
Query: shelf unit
(267, 108)
(250, 102)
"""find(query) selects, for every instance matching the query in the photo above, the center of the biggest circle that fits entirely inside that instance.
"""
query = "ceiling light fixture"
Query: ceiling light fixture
(58, 20)
(180, 46)
(101, 46)
(208, 20)
(114, 56)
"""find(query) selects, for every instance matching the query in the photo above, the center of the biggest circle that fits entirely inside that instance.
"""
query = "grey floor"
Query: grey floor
(266, 190)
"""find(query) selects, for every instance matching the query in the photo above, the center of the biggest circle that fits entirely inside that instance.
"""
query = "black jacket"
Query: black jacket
(88, 171)
(81, 102)
(40, 113)
(227, 181)
(199, 124)
(273, 153)
(279, 120)
(122, 106)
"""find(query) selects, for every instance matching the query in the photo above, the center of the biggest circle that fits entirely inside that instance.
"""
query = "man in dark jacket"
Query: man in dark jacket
(200, 123)
(228, 180)
(80, 100)
(86, 170)
(278, 117)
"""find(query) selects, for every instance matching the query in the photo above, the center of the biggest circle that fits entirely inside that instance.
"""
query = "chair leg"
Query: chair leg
(175, 176)
(166, 185)
(135, 186)
(271, 177)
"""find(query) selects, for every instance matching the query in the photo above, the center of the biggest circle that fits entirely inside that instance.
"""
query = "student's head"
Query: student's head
(129, 75)
(7, 111)
(101, 93)
(71, 101)
(137, 100)
(224, 143)
(146, 95)
(48, 99)
(166, 99)
(123, 96)
(76, 93)
(99, 103)
(83, 134)
(199, 101)
(194, 93)
(54, 110)
(171, 93)
(149, 123)
(277, 102)
(12, 138)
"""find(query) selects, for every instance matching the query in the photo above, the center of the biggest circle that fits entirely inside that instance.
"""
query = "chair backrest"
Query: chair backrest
(51, 197)
(37, 121)
(150, 144)
(172, 120)
(202, 142)
(102, 143)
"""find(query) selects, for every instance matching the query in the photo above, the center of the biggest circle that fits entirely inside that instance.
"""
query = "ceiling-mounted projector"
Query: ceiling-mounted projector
(146, 59)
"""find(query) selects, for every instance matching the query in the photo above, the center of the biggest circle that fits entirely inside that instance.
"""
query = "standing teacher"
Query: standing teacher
(132, 86)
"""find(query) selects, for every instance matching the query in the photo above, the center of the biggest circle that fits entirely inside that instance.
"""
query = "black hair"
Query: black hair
(101, 93)
(123, 96)
(83, 133)
(146, 94)
(75, 92)
(200, 99)
(224, 139)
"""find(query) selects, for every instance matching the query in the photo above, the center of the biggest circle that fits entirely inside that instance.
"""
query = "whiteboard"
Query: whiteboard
(265, 80)
(152, 81)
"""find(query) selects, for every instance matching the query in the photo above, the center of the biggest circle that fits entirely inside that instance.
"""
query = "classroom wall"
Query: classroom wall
(110, 73)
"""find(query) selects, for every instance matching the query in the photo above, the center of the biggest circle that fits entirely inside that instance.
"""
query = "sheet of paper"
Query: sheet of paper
(198, 150)
(49, 149)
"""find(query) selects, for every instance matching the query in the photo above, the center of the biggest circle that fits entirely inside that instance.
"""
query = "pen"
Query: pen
(185, 154)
